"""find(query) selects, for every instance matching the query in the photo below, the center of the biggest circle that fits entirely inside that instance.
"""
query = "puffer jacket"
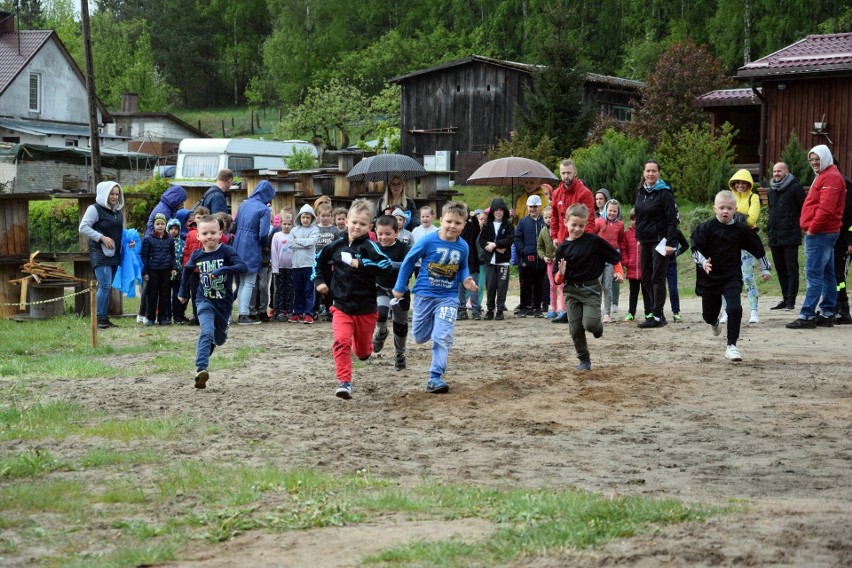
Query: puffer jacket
(158, 253)
(785, 200)
(748, 202)
(822, 211)
(99, 220)
(630, 255)
(251, 233)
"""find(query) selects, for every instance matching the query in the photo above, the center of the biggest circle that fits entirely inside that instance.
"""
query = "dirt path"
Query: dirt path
(662, 414)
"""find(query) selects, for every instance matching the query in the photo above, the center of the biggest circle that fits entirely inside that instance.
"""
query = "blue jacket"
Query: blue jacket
(526, 236)
(170, 202)
(251, 234)
(158, 253)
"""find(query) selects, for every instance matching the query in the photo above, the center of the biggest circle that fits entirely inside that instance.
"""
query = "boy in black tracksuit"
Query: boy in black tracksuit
(716, 246)
(496, 238)
(580, 260)
(387, 231)
(356, 261)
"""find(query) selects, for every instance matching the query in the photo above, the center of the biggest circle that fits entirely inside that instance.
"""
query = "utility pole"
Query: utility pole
(94, 135)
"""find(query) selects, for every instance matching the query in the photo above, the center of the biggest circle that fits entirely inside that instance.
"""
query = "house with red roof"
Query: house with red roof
(805, 87)
(44, 118)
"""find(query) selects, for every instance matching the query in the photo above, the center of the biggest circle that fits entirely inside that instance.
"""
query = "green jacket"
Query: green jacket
(544, 245)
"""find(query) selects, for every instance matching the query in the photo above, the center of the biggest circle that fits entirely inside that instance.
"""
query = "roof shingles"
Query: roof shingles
(11, 61)
(810, 55)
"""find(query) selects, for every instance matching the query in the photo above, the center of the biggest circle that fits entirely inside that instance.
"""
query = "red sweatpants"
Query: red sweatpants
(351, 333)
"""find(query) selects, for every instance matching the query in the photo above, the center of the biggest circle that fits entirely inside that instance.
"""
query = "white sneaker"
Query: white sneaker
(732, 353)
(723, 318)
(606, 319)
(717, 329)
(754, 318)
(140, 319)
(614, 309)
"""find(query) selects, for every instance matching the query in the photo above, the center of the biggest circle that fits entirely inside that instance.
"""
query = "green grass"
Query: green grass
(236, 119)
(30, 463)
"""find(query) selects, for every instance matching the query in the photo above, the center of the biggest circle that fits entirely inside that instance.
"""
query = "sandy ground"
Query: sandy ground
(662, 414)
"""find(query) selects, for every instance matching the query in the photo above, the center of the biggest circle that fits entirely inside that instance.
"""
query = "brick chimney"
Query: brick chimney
(7, 22)
(129, 102)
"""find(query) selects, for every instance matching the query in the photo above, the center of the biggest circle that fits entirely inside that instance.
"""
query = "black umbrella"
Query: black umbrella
(382, 167)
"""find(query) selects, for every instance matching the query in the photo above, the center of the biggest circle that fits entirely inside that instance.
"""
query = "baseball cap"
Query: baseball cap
(533, 201)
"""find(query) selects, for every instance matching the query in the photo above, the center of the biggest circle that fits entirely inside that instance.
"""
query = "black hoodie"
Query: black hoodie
(504, 237)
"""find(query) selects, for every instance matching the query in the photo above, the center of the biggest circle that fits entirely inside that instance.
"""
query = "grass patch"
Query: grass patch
(534, 523)
(30, 463)
(102, 457)
(57, 496)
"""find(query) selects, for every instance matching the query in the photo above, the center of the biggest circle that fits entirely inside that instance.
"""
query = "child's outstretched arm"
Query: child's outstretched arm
(407, 267)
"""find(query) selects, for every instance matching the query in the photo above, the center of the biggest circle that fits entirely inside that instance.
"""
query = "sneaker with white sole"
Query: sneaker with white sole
(732, 353)
(754, 318)
(344, 391)
(723, 318)
(606, 319)
(717, 328)
(140, 319)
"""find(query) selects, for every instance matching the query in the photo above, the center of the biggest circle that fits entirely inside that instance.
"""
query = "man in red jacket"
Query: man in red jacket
(569, 192)
(821, 220)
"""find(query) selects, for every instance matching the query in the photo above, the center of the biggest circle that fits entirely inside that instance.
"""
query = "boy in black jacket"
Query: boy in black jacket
(387, 231)
(716, 246)
(496, 239)
(357, 261)
(581, 260)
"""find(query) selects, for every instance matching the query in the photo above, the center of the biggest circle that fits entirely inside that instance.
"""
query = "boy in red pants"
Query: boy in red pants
(356, 261)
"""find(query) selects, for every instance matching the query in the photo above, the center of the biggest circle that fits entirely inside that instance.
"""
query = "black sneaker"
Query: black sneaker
(537, 314)
(802, 324)
(843, 318)
(489, 315)
(561, 318)
(400, 362)
(651, 323)
(499, 316)
(103, 324)
(782, 305)
(379, 341)
(824, 321)
(462, 314)
(247, 320)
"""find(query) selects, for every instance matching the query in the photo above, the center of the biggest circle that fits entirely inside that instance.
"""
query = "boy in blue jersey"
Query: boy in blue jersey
(217, 264)
(443, 265)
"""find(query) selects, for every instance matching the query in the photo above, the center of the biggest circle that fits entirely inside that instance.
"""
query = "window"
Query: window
(35, 92)
(621, 113)
(69, 143)
(200, 165)
(240, 163)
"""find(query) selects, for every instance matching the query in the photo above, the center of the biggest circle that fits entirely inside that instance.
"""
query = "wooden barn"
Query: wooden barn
(806, 87)
(464, 107)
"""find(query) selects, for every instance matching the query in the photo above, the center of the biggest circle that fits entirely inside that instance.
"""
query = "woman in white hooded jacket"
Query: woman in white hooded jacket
(103, 224)
(304, 246)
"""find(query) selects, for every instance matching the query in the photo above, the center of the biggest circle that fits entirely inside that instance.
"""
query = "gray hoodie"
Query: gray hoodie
(304, 239)
(92, 216)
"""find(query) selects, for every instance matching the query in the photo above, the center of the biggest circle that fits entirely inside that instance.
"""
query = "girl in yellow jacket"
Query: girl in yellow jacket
(748, 204)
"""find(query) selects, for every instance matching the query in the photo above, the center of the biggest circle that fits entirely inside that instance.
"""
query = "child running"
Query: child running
(444, 265)
(387, 231)
(716, 246)
(356, 261)
(581, 259)
(217, 264)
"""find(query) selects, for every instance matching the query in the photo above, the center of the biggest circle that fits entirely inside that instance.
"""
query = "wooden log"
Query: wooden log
(23, 305)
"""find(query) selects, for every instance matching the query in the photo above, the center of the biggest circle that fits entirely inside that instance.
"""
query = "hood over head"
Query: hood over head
(173, 223)
(306, 209)
(264, 192)
(824, 154)
(103, 190)
(742, 175)
(605, 192)
(498, 203)
(174, 197)
(606, 207)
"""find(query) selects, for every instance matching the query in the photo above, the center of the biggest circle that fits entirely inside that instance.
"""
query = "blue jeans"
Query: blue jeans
(671, 278)
(819, 272)
(747, 261)
(303, 291)
(104, 275)
(464, 293)
(213, 331)
(435, 318)
(247, 284)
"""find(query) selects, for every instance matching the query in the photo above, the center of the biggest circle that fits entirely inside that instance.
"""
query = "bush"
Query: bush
(615, 163)
(697, 164)
(138, 209)
(302, 159)
(796, 159)
(54, 226)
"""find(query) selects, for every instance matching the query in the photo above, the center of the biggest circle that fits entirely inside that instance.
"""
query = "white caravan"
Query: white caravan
(202, 158)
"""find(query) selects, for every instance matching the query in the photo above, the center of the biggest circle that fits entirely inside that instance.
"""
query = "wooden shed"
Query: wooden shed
(466, 106)
(806, 87)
